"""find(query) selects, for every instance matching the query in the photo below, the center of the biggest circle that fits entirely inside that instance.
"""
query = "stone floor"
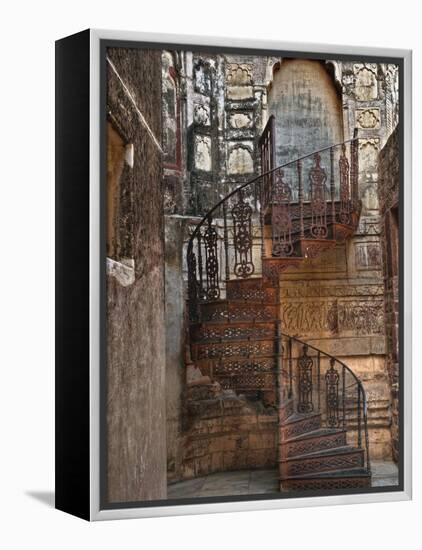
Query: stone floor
(255, 482)
(384, 474)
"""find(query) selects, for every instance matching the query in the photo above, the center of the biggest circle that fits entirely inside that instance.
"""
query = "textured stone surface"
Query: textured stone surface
(228, 433)
(255, 482)
(136, 457)
(389, 196)
(307, 109)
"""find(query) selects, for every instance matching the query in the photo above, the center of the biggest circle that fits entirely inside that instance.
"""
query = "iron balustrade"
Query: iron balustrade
(313, 198)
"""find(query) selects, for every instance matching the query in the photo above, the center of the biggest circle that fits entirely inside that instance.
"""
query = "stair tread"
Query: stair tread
(315, 433)
(344, 449)
(250, 357)
(235, 341)
(351, 472)
(297, 417)
(254, 321)
(228, 301)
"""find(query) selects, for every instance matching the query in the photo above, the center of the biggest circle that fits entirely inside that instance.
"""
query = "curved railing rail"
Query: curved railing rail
(268, 216)
(319, 382)
(282, 367)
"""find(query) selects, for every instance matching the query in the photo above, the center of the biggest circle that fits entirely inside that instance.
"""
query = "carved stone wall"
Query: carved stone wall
(389, 175)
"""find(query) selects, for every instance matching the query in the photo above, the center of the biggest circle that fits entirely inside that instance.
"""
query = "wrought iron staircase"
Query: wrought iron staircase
(235, 256)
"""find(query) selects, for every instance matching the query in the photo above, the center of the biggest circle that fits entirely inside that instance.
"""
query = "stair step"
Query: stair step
(251, 290)
(351, 478)
(273, 267)
(342, 458)
(344, 449)
(358, 471)
(231, 349)
(227, 312)
(216, 332)
(318, 440)
(315, 433)
(298, 417)
(298, 424)
(238, 365)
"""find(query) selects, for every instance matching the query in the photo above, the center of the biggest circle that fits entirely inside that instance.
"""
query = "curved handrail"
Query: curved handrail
(255, 179)
(357, 381)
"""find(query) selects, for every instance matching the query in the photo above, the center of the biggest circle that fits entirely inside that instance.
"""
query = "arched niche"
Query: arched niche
(170, 111)
(305, 99)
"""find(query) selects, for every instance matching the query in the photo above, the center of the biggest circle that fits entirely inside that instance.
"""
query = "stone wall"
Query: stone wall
(228, 433)
(175, 324)
(136, 429)
(389, 175)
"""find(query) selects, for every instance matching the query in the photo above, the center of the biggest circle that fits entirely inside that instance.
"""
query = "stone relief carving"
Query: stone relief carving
(202, 77)
(203, 153)
(368, 118)
(364, 318)
(240, 120)
(347, 81)
(359, 317)
(368, 226)
(368, 157)
(239, 81)
(368, 256)
(240, 160)
(366, 84)
(392, 96)
(238, 74)
(201, 114)
(369, 197)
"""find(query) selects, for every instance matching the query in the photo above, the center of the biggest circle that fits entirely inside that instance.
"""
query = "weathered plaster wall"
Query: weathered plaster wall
(175, 325)
(136, 429)
(307, 108)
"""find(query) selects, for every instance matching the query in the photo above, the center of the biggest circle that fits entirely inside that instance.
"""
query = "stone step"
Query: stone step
(341, 458)
(298, 424)
(337, 479)
(318, 440)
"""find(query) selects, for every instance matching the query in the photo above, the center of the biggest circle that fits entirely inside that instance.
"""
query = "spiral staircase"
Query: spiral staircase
(235, 256)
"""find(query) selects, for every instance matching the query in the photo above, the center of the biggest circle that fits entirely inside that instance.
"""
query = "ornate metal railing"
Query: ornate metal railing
(320, 383)
(267, 217)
